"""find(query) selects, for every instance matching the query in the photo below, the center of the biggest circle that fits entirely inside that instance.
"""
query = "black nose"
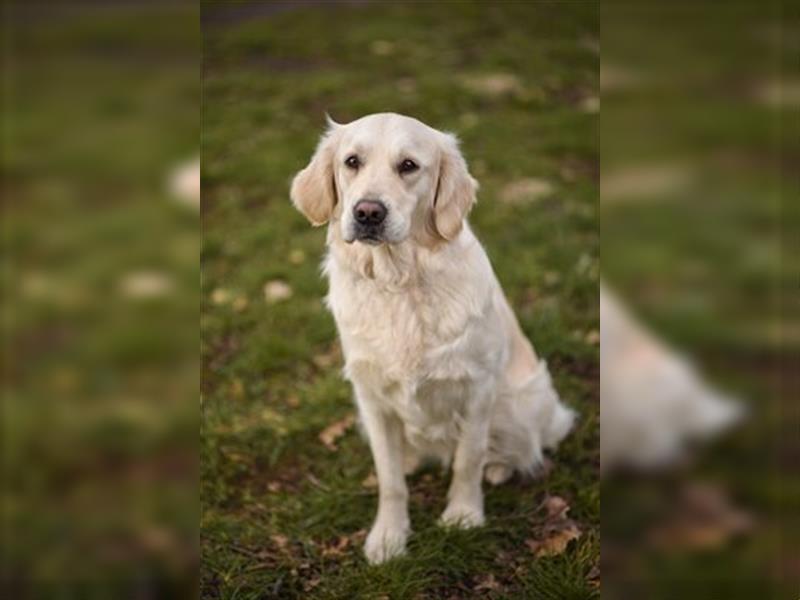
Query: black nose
(369, 212)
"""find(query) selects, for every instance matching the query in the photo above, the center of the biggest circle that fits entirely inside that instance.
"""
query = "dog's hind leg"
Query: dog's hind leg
(498, 473)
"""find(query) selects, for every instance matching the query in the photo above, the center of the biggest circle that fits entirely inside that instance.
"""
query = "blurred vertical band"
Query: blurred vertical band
(100, 281)
(700, 149)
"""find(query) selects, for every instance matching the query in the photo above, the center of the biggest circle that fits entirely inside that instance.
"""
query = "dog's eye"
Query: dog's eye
(407, 166)
(352, 162)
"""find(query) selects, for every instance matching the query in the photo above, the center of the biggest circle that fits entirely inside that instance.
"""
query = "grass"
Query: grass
(712, 272)
(282, 515)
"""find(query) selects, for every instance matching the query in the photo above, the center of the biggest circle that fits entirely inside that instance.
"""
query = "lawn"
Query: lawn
(699, 175)
(284, 514)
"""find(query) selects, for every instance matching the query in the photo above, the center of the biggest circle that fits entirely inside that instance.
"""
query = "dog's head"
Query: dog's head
(386, 178)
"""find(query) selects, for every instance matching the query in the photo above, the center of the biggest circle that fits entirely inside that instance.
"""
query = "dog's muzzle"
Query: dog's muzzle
(368, 218)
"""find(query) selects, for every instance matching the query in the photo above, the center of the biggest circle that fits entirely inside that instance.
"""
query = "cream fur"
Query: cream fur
(439, 365)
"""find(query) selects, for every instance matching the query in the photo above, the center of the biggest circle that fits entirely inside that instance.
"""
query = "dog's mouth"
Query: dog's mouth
(371, 240)
(369, 235)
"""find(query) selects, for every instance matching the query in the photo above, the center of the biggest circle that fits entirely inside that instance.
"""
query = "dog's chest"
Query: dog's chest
(411, 331)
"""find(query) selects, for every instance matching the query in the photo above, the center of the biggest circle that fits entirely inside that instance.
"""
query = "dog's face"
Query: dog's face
(386, 178)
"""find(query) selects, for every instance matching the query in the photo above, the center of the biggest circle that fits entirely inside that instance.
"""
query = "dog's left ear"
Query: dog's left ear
(314, 188)
(455, 191)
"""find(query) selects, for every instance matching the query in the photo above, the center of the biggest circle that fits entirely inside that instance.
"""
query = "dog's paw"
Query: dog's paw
(385, 542)
(462, 516)
(498, 473)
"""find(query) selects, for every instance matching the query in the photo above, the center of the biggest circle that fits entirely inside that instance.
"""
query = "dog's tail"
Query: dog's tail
(529, 418)
(555, 418)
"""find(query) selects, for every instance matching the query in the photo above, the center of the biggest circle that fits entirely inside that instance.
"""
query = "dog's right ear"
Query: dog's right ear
(314, 188)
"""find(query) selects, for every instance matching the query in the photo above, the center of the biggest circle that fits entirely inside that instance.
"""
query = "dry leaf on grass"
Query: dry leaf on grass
(336, 548)
(221, 296)
(240, 303)
(310, 584)
(493, 85)
(184, 183)
(590, 104)
(237, 389)
(334, 431)
(297, 256)
(592, 337)
(359, 536)
(382, 47)
(145, 285)
(276, 291)
(370, 481)
(593, 576)
(526, 191)
(704, 518)
(331, 356)
(645, 181)
(488, 583)
(554, 531)
(281, 541)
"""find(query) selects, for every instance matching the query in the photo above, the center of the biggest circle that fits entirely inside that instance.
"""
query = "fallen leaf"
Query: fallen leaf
(281, 541)
(526, 191)
(274, 420)
(488, 582)
(778, 94)
(337, 548)
(493, 84)
(593, 576)
(556, 507)
(619, 77)
(704, 518)
(590, 104)
(184, 183)
(237, 389)
(240, 303)
(644, 181)
(328, 358)
(336, 430)
(556, 542)
(554, 531)
(144, 285)
(221, 296)
(382, 47)
(370, 481)
(552, 278)
(297, 256)
(359, 536)
(276, 291)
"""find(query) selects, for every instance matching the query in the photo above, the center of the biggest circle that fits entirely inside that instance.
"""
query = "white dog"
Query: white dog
(439, 365)
(652, 400)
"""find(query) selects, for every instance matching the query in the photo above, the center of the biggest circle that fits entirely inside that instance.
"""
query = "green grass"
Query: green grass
(709, 265)
(99, 405)
(283, 516)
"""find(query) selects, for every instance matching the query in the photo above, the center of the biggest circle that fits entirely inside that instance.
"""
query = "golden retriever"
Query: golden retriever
(439, 365)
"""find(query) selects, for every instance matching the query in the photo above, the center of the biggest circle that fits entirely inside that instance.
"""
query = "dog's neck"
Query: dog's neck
(393, 266)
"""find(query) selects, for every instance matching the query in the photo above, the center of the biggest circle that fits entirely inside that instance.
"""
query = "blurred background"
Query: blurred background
(288, 492)
(100, 299)
(700, 147)
(699, 137)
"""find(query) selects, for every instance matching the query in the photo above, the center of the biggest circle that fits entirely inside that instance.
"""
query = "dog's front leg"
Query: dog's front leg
(387, 538)
(465, 496)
